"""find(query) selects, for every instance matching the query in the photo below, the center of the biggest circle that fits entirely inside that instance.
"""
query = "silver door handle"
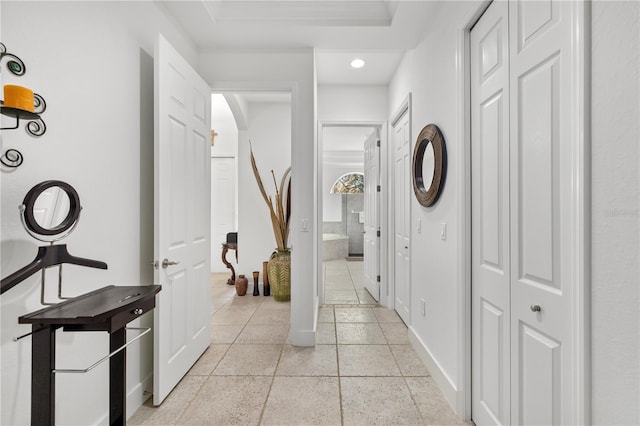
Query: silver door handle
(535, 308)
(166, 263)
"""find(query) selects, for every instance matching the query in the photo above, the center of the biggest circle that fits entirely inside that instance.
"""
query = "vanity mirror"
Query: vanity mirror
(429, 165)
(50, 208)
(49, 212)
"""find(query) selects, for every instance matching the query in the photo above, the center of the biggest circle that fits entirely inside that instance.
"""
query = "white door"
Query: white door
(223, 208)
(182, 218)
(402, 224)
(522, 291)
(542, 207)
(371, 216)
(491, 265)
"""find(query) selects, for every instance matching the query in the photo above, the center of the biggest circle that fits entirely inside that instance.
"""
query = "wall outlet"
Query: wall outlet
(423, 307)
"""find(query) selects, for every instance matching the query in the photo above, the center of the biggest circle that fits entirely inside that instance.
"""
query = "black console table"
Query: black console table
(107, 309)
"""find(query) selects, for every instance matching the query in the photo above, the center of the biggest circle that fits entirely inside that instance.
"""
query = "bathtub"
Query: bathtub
(334, 246)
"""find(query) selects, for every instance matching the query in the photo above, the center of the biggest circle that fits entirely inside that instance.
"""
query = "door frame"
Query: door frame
(581, 209)
(404, 108)
(381, 126)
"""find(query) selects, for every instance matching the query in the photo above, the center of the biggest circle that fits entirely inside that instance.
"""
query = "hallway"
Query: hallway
(343, 283)
(361, 372)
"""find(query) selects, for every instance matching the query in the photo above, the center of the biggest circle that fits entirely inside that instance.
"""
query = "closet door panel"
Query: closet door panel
(490, 218)
(541, 286)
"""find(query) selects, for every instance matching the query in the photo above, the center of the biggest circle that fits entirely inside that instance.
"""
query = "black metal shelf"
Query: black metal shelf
(35, 126)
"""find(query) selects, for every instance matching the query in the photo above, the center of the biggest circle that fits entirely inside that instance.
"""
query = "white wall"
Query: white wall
(223, 123)
(338, 103)
(335, 164)
(93, 63)
(352, 103)
(436, 98)
(429, 74)
(225, 145)
(291, 71)
(615, 213)
(270, 134)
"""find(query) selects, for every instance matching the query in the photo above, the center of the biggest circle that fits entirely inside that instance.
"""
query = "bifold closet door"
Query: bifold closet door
(542, 290)
(522, 131)
(491, 268)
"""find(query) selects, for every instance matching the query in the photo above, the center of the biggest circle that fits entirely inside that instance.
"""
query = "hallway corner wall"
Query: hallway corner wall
(284, 71)
(93, 64)
(430, 74)
(615, 213)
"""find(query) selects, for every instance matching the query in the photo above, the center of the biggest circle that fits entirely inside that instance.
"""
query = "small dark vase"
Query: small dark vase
(256, 289)
(241, 285)
(266, 288)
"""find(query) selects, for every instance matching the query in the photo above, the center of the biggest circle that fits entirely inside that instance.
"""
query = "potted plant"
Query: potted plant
(279, 268)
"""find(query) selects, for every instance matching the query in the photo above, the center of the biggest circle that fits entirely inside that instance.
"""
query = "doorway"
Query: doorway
(349, 254)
(526, 212)
(400, 200)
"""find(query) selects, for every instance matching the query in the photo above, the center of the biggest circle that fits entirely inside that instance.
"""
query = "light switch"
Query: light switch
(305, 225)
(443, 231)
(423, 305)
(419, 227)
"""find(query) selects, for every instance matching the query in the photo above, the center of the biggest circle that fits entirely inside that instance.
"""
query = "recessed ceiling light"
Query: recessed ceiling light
(357, 63)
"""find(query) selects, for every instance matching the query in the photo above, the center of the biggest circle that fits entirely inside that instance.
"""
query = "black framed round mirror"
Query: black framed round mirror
(429, 165)
(51, 208)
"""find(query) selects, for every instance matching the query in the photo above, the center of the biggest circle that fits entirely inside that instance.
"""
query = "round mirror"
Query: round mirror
(51, 207)
(429, 165)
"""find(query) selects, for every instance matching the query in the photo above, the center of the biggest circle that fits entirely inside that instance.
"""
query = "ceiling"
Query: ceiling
(340, 30)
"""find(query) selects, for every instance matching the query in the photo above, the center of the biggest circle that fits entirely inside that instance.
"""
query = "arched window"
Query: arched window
(349, 183)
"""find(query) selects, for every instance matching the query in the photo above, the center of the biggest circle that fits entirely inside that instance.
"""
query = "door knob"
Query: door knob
(535, 308)
(166, 263)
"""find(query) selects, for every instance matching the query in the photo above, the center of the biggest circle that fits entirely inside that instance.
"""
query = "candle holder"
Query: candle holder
(35, 124)
(256, 289)
(14, 64)
(266, 288)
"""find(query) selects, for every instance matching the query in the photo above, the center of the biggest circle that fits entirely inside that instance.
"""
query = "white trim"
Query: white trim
(446, 385)
(581, 207)
(462, 404)
(404, 108)
(136, 396)
(381, 127)
(297, 337)
(581, 242)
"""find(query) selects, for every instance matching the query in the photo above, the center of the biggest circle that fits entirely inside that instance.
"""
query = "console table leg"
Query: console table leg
(43, 380)
(117, 379)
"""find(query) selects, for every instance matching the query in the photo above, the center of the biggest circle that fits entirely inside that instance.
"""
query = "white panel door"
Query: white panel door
(490, 219)
(371, 215)
(541, 211)
(401, 200)
(523, 290)
(182, 218)
(223, 208)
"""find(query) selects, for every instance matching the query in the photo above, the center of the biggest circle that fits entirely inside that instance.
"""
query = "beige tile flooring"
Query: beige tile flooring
(361, 372)
(343, 283)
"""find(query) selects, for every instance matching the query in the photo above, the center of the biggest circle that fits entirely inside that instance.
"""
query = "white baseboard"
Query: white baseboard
(136, 396)
(306, 337)
(448, 388)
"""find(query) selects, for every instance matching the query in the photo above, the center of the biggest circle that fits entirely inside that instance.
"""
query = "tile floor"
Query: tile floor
(343, 283)
(361, 372)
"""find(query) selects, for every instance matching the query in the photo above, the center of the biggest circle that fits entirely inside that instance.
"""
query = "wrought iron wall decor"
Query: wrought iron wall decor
(35, 124)
(430, 138)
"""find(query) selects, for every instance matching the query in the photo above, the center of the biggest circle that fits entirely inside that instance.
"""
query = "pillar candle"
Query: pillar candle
(18, 97)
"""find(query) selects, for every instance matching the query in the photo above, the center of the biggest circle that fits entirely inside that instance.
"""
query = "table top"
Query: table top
(93, 307)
